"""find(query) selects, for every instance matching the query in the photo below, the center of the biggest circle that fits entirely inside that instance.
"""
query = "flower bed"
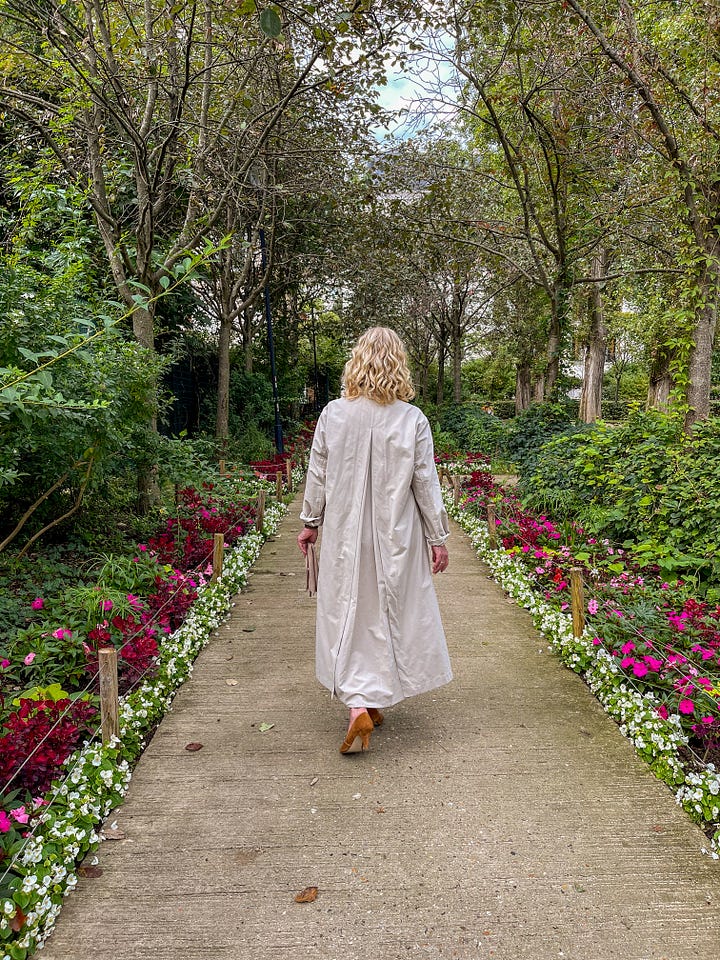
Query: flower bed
(63, 827)
(649, 651)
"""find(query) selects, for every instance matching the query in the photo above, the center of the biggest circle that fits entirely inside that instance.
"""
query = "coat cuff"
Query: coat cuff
(437, 541)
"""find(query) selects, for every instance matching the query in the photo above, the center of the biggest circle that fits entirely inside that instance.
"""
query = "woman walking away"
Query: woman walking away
(373, 486)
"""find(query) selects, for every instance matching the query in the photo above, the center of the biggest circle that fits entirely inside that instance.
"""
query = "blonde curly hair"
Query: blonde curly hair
(378, 368)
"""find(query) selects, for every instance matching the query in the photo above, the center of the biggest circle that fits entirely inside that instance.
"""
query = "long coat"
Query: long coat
(373, 486)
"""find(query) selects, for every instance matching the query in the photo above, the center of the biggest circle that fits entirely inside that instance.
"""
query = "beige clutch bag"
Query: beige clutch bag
(311, 570)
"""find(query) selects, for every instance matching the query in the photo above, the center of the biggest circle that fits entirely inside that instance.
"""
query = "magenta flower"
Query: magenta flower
(662, 711)
(640, 669)
(20, 815)
(38, 603)
(596, 641)
(627, 647)
(627, 662)
(142, 548)
(5, 663)
(686, 706)
(5, 822)
(653, 663)
(592, 606)
(107, 605)
(61, 633)
(708, 720)
(29, 659)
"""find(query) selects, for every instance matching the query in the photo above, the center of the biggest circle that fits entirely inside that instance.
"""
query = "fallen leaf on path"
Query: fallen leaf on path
(92, 873)
(193, 747)
(380, 810)
(248, 629)
(308, 895)
(230, 657)
(232, 683)
(314, 781)
(264, 727)
(113, 833)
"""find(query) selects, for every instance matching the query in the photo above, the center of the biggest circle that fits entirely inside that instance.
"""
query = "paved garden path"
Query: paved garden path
(503, 816)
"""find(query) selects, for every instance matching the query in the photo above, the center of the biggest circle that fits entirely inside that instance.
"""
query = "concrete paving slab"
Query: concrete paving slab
(502, 817)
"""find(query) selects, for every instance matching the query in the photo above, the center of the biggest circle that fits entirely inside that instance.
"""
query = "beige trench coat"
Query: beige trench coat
(373, 486)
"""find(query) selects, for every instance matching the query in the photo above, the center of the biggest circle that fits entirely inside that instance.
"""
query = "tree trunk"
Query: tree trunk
(222, 426)
(523, 386)
(699, 369)
(596, 348)
(441, 371)
(539, 389)
(457, 366)
(660, 380)
(559, 305)
(247, 339)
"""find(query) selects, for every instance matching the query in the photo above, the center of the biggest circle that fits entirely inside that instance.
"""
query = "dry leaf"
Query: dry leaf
(248, 629)
(90, 872)
(113, 833)
(308, 895)
(264, 727)
(193, 747)
(314, 781)
(18, 920)
(232, 683)
(380, 810)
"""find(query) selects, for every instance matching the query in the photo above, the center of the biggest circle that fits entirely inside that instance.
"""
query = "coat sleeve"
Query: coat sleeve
(426, 487)
(313, 511)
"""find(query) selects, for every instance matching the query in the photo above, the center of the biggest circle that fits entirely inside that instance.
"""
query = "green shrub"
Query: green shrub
(527, 433)
(644, 483)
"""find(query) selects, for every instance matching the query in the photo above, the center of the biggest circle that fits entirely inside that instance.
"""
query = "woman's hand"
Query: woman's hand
(440, 559)
(307, 535)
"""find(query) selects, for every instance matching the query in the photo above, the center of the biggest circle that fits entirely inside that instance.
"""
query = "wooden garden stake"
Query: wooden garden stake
(456, 490)
(109, 706)
(492, 526)
(222, 468)
(288, 472)
(279, 485)
(577, 591)
(260, 518)
(218, 554)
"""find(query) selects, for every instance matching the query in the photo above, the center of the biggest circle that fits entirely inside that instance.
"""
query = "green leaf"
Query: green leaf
(270, 23)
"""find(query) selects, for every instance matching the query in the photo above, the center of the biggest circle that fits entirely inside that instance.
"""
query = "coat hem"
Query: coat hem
(383, 703)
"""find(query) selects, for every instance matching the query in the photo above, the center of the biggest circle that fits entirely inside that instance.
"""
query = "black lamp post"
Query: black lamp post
(271, 347)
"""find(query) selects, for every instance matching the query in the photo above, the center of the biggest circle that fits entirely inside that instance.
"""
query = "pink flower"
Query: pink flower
(29, 659)
(38, 603)
(61, 633)
(20, 815)
(107, 605)
(5, 822)
(653, 663)
(640, 669)
(686, 706)
(596, 641)
(627, 662)
(627, 647)
(142, 548)
(708, 720)
(5, 663)
(592, 606)
(662, 711)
